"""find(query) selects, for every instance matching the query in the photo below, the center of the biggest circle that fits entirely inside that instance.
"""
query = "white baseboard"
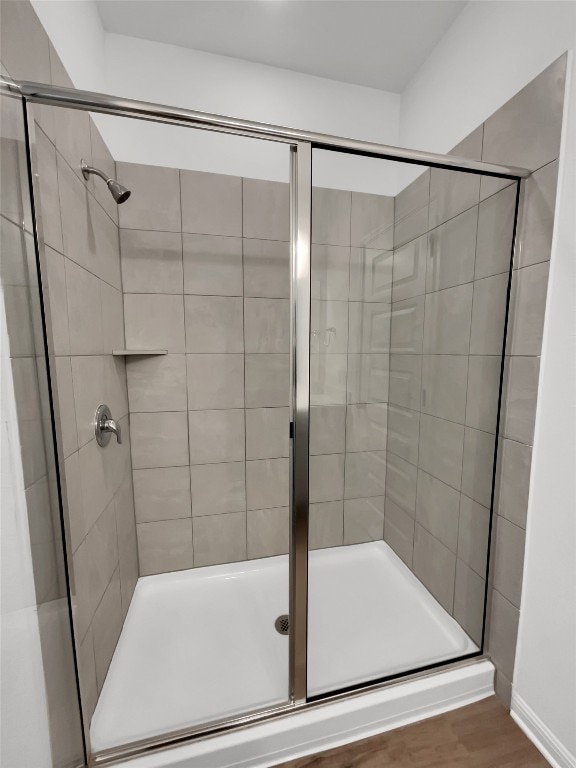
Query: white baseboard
(540, 735)
(332, 725)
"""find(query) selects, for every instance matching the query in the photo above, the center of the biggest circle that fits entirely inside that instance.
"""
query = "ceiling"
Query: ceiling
(375, 43)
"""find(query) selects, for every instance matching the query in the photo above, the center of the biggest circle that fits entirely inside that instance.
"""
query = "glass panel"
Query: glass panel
(409, 279)
(171, 307)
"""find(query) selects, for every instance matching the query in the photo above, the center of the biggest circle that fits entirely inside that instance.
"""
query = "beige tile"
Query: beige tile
(215, 381)
(106, 628)
(330, 273)
(165, 546)
(159, 439)
(530, 291)
(371, 275)
(407, 326)
(368, 377)
(267, 433)
(219, 539)
(268, 532)
(441, 449)
(401, 479)
(74, 501)
(437, 509)
(403, 433)
(451, 193)
(399, 532)
(155, 200)
(125, 517)
(216, 437)
(162, 494)
(154, 322)
(444, 386)
(112, 318)
(435, 566)
(48, 188)
(267, 483)
(266, 209)
(406, 380)
(67, 414)
(326, 525)
(101, 158)
(372, 220)
(526, 131)
(329, 327)
(495, 233)
(96, 487)
(25, 50)
(483, 388)
(473, 534)
(509, 560)
(366, 427)
(97, 379)
(538, 219)
(369, 327)
(19, 320)
(268, 380)
(266, 268)
(363, 520)
(452, 252)
(211, 203)
(521, 390)
(14, 190)
(331, 216)
(513, 481)
(151, 261)
(410, 263)
(87, 676)
(365, 474)
(214, 324)
(326, 477)
(17, 249)
(413, 196)
(84, 311)
(72, 137)
(218, 488)
(157, 383)
(447, 321)
(469, 601)
(212, 265)
(77, 234)
(503, 633)
(129, 573)
(327, 429)
(328, 379)
(477, 466)
(267, 325)
(488, 313)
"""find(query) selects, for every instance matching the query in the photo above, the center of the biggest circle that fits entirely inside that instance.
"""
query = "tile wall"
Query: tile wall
(81, 241)
(205, 267)
(453, 234)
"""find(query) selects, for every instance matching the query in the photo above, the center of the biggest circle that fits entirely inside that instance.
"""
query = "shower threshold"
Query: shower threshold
(200, 645)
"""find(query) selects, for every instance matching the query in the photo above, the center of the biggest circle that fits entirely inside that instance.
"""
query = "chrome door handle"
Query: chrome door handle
(105, 426)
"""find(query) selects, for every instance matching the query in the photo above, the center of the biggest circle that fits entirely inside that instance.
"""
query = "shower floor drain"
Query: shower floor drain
(282, 624)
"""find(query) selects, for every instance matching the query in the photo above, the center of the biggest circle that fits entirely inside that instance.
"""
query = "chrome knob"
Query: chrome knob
(105, 426)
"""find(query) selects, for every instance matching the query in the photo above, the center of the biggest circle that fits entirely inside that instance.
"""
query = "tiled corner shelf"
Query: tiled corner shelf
(132, 352)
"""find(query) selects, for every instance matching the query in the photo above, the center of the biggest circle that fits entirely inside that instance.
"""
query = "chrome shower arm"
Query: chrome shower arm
(88, 169)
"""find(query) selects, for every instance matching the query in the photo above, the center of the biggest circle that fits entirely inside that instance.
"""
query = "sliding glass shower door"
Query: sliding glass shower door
(410, 269)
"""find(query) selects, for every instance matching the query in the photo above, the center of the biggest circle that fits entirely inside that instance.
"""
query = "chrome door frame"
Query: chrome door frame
(301, 144)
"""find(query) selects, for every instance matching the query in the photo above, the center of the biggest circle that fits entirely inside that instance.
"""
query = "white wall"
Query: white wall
(491, 51)
(129, 67)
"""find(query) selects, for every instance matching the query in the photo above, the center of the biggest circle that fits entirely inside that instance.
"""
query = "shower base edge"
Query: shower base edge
(332, 724)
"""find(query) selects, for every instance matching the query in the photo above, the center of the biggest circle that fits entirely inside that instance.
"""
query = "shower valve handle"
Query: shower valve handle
(105, 426)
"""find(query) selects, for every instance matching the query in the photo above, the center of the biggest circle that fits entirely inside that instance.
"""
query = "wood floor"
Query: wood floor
(481, 735)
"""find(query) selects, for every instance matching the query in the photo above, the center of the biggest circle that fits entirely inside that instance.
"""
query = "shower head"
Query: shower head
(118, 192)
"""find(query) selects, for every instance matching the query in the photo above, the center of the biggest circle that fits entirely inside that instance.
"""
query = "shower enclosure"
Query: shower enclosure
(308, 382)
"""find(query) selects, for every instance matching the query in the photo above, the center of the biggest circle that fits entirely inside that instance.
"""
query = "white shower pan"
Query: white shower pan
(200, 645)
